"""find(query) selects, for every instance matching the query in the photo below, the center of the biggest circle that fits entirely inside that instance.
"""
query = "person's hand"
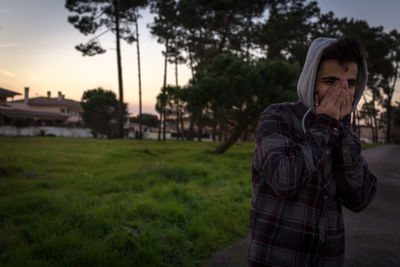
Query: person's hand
(332, 101)
(347, 104)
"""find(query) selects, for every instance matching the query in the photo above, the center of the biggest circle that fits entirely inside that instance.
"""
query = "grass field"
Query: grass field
(88, 202)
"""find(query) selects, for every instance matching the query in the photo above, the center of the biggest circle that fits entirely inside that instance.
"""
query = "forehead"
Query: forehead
(332, 67)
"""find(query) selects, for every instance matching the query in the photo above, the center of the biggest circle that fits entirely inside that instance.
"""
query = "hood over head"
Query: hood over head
(306, 82)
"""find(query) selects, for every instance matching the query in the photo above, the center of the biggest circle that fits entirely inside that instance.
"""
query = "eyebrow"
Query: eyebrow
(333, 78)
(330, 78)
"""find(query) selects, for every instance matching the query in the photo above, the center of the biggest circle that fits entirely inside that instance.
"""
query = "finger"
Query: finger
(338, 88)
(333, 89)
(331, 94)
(342, 87)
(316, 100)
(341, 98)
(338, 96)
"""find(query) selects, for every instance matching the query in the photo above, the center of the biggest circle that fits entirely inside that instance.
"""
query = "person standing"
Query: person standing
(307, 163)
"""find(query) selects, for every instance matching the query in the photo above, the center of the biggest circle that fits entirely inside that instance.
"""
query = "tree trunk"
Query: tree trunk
(190, 132)
(199, 132)
(375, 120)
(214, 132)
(245, 135)
(220, 131)
(358, 123)
(229, 142)
(376, 128)
(388, 118)
(164, 86)
(372, 122)
(165, 64)
(139, 79)
(121, 90)
(389, 104)
(225, 133)
(371, 117)
(191, 63)
(164, 125)
(214, 124)
(353, 121)
(372, 129)
(159, 127)
(176, 71)
(177, 102)
(178, 134)
(182, 126)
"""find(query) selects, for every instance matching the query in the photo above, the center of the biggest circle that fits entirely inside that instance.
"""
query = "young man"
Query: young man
(308, 163)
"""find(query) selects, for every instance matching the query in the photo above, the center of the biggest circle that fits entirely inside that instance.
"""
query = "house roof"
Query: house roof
(7, 93)
(19, 113)
(47, 101)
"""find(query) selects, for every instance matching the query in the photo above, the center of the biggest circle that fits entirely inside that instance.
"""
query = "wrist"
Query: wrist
(346, 119)
(333, 115)
(327, 121)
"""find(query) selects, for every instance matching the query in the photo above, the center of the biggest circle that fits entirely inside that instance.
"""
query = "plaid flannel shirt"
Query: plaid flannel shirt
(300, 181)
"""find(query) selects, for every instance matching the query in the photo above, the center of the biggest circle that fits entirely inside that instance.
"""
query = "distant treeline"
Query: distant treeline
(244, 55)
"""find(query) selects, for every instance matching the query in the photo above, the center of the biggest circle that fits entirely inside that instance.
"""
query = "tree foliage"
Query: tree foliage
(397, 115)
(210, 36)
(93, 16)
(149, 120)
(100, 112)
(286, 32)
(243, 56)
(242, 90)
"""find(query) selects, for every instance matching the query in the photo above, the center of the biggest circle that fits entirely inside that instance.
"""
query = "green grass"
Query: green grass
(369, 145)
(87, 202)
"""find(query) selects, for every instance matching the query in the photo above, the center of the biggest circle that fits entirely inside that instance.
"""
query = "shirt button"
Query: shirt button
(335, 131)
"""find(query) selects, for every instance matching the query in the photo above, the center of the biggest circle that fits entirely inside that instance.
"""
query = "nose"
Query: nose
(345, 84)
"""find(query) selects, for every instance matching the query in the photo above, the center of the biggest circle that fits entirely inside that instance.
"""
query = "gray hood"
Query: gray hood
(305, 85)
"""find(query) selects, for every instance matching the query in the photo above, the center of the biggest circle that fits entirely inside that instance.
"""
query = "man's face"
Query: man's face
(331, 71)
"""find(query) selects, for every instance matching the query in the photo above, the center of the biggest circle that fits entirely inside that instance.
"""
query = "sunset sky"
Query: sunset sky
(37, 50)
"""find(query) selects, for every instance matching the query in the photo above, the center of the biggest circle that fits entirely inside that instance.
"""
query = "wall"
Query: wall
(366, 135)
(45, 130)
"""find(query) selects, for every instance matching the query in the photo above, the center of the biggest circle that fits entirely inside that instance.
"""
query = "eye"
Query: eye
(329, 81)
(352, 83)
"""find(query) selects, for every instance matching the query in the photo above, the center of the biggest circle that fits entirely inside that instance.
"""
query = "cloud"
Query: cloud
(7, 73)
(8, 45)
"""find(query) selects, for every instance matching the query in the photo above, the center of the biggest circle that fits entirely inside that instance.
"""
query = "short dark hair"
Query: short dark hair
(345, 50)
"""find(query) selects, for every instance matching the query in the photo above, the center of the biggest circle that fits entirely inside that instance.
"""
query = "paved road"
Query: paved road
(373, 235)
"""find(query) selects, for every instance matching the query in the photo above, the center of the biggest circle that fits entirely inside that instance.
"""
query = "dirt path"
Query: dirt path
(372, 236)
